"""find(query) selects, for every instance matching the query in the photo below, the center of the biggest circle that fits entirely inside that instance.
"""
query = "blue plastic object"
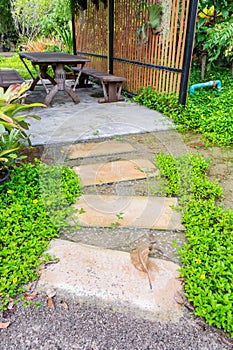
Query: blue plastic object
(212, 83)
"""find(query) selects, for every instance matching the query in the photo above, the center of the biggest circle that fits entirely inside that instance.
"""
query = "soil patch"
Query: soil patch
(221, 165)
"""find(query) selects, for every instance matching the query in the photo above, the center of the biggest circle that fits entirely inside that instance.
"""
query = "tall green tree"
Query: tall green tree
(5, 15)
(59, 17)
(28, 16)
(34, 19)
(213, 32)
(7, 30)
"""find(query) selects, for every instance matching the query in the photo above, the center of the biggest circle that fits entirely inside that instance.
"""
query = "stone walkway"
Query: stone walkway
(117, 207)
(108, 276)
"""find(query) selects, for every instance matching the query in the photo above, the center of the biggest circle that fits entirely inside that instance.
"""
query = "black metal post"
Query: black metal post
(111, 35)
(192, 15)
(73, 35)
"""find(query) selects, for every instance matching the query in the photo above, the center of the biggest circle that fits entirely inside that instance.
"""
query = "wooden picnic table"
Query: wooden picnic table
(57, 60)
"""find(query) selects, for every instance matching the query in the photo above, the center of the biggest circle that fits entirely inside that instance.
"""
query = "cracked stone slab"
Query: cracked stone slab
(109, 277)
(129, 211)
(115, 171)
(92, 149)
(90, 120)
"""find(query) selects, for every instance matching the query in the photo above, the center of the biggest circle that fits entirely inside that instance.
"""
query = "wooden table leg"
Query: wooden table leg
(72, 94)
(51, 95)
(60, 79)
(40, 75)
(34, 82)
(78, 79)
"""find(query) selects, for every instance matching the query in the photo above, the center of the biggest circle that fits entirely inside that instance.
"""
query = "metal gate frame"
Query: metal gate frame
(187, 57)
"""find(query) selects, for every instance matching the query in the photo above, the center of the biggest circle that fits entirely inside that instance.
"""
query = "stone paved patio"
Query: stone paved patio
(66, 122)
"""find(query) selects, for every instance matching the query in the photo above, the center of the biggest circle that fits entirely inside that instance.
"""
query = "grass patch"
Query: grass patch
(207, 111)
(34, 207)
(207, 257)
(15, 62)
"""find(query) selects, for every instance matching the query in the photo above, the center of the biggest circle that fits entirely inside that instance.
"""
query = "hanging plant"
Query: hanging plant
(154, 14)
(77, 5)
(96, 3)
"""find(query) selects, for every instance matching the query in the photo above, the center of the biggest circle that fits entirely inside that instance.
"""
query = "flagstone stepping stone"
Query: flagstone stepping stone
(115, 171)
(83, 150)
(129, 211)
(109, 277)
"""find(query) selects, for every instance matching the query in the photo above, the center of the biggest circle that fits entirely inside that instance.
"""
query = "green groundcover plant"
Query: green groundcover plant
(207, 111)
(35, 205)
(207, 255)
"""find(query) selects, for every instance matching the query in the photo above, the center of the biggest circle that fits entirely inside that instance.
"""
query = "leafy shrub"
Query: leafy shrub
(34, 207)
(220, 40)
(13, 136)
(208, 254)
(42, 44)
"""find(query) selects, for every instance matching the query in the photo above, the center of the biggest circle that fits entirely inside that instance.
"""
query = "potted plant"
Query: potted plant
(13, 126)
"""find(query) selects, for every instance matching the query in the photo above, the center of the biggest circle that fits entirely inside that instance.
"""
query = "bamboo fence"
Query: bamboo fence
(133, 55)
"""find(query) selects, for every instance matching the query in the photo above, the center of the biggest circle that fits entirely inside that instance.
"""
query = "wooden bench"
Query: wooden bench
(112, 85)
(9, 77)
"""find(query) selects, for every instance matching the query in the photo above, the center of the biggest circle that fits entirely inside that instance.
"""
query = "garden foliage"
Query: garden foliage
(34, 206)
(13, 123)
(213, 40)
(207, 256)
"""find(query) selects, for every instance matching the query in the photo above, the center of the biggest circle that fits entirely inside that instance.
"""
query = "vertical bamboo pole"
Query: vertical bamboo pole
(181, 42)
(181, 33)
(110, 35)
(175, 51)
(171, 45)
(130, 46)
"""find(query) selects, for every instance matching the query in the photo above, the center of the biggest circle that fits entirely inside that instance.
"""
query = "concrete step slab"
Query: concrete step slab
(93, 149)
(120, 170)
(128, 238)
(108, 277)
(129, 211)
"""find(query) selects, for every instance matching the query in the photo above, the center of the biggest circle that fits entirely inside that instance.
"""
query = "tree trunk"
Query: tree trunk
(203, 65)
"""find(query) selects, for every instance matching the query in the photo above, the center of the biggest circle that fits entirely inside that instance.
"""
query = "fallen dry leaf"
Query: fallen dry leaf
(64, 305)
(189, 306)
(139, 258)
(226, 341)
(179, 298)
(4, 325)
(197, 144)
(51, 293)
(50, 303)
(30, 296)
(8, 312)
(180, 279)
(10, 305)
